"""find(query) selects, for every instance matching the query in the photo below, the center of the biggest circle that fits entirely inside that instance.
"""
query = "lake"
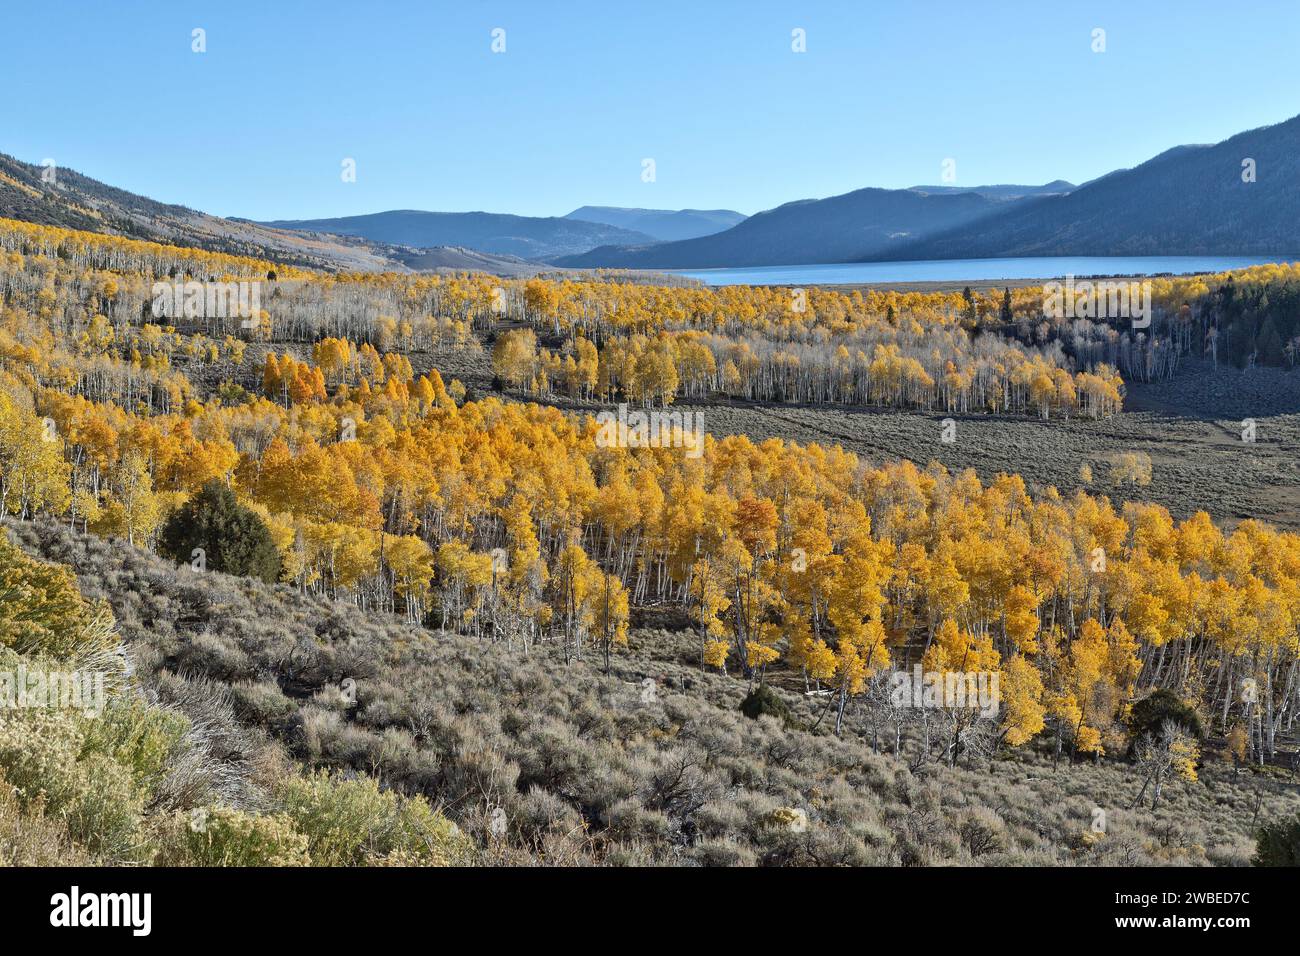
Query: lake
(970, 270)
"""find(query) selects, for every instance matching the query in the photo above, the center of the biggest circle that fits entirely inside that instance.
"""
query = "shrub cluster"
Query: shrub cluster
(537, 761)
(159, 770)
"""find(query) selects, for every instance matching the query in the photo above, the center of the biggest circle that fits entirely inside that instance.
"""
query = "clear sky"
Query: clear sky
(259, 125)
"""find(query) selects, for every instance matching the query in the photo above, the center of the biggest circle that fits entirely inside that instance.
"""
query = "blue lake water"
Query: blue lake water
(971, 270)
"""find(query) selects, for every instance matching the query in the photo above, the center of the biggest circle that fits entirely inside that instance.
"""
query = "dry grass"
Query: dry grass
(539, 762)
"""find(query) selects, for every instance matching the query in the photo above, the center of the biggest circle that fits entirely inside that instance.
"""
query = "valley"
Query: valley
(556, 442)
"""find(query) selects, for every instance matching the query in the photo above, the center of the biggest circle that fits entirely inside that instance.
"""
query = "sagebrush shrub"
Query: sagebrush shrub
(354, 823)
(221, 836)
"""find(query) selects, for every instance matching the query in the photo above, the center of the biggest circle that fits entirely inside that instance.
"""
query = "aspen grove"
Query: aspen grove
(508, 521)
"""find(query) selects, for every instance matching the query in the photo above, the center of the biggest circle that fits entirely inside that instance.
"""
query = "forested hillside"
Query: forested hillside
(530, 237)
(314, 444)
(542, 761)
(55, 196)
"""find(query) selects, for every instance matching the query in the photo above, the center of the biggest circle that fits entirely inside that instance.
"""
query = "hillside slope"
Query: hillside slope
(1003, 191)
(524, 236)
(452, 259)
(853, 226)
(665, 225)
(74, 201)
(1189, 200)
(589, 767)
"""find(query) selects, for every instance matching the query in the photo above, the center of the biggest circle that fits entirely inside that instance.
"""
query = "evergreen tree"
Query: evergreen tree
(233, 539)
(1278, 844)
(1151, 713)
(1269, 344)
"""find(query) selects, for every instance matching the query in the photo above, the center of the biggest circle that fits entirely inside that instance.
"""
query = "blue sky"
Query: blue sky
(259, 125)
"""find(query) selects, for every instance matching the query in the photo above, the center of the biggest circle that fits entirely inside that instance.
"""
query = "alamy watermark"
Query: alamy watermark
(75, 908)
(952, 690)
(652, 429)
(1103, 299)
(208, 300)
(68, 690)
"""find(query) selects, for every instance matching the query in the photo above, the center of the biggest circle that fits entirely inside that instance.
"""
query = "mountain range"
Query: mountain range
(862, 223)
(1057, 186)
(65, 198)
(665, 225)
(528, 237)
(1237, 197)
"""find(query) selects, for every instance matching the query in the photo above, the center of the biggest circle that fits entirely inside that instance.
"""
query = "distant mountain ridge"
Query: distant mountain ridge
(665, 225)
(1188, 200)
(844, 228)
(74, 201)
(528, 237)
(1002, 191)
(460, 259)
(1237, 197)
